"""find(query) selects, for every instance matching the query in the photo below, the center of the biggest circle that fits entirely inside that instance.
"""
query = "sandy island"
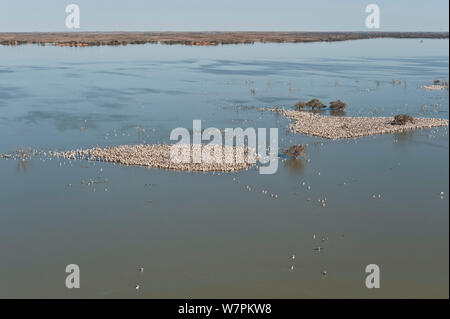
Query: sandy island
(158, 156)
(338, 127)
(435, 87)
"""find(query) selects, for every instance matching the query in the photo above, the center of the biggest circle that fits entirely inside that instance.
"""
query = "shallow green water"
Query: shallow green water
(205, 235)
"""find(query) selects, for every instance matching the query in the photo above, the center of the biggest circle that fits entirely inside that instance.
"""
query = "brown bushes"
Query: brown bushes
(316, 104)
(300, 105)
(402, 119)
(296, 151)
(337, 105)
(313, 104)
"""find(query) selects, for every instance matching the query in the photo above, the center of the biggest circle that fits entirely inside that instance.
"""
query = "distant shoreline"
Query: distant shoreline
(82, 39)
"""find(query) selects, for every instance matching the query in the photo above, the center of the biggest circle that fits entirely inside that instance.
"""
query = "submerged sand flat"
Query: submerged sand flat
(158, 156)
(337, 127)
(435, 87)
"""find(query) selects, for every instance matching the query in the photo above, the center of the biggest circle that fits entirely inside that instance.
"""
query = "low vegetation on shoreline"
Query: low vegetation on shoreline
(82, 39)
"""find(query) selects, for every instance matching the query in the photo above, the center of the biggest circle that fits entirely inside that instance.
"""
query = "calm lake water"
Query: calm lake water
(205, 235)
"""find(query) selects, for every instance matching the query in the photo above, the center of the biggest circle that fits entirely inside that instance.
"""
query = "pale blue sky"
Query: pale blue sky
(226, 15)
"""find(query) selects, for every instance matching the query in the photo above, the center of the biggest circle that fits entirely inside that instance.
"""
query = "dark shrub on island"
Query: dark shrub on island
(296, 151)
(313, 104)
(402, 119)
(337, 105)
(300, 105)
